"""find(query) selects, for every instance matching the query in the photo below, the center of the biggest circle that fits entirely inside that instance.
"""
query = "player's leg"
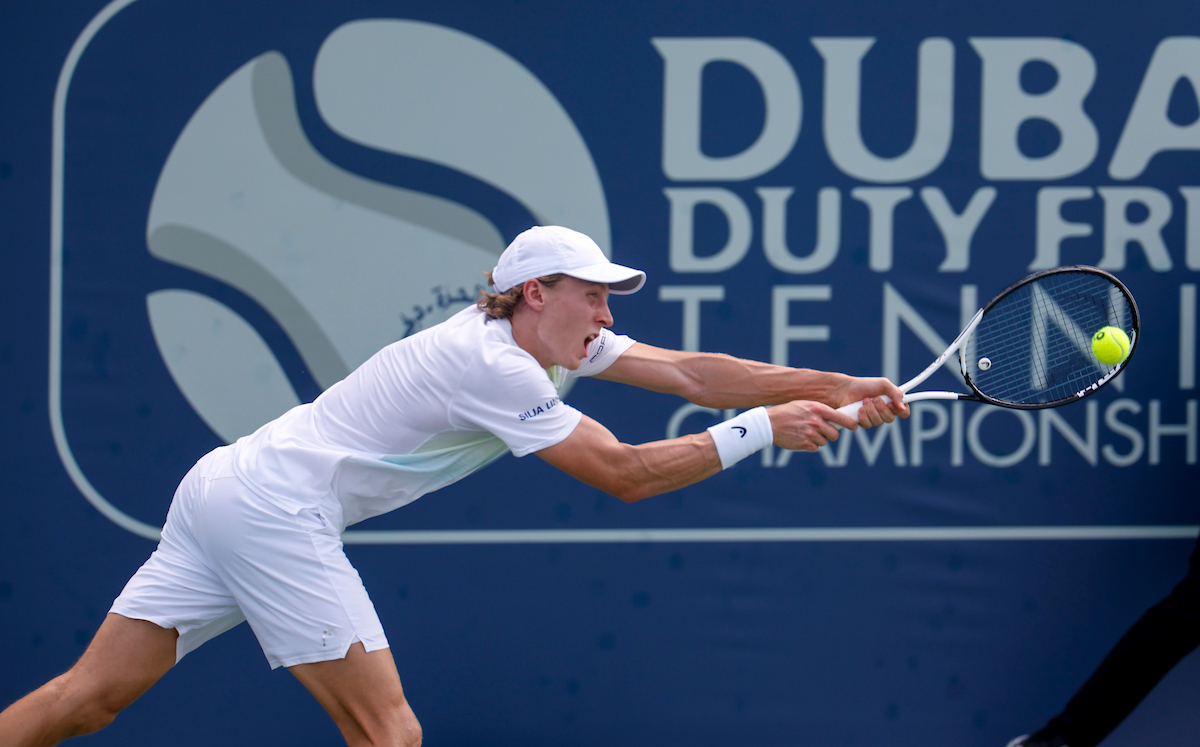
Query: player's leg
(362, 694)
(123, 660)
(307, 605)
(171, 605)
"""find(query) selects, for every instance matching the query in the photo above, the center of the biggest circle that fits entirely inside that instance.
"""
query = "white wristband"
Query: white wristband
(739, 437)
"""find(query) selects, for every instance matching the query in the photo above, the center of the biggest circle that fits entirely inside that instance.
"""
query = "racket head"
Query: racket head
(1033, 346)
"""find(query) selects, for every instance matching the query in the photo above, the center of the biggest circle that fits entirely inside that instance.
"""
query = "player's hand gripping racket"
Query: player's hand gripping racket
(1032, 345)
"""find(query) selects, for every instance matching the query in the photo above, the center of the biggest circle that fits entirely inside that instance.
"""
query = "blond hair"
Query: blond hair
(502, 305)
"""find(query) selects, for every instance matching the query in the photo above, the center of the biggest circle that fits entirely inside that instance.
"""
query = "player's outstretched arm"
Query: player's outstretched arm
(723, 381)
(592, 454)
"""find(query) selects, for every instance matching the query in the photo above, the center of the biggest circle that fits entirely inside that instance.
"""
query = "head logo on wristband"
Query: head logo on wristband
(741, 436)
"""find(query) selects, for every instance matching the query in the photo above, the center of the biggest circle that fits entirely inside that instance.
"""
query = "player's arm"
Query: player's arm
(723, 381)
(592, 454)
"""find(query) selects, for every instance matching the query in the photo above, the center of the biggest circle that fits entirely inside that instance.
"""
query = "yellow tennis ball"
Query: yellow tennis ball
(1110, 345)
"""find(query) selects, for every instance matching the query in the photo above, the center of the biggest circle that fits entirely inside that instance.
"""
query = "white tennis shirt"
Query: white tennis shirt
(420, 414)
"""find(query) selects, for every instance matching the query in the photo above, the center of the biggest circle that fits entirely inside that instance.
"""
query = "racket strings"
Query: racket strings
(1037, 339)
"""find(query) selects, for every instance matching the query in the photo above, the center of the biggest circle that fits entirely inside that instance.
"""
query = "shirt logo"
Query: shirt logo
(538, 410)
(599, 347)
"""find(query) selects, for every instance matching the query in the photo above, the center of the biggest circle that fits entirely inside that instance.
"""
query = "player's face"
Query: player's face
(576, 312)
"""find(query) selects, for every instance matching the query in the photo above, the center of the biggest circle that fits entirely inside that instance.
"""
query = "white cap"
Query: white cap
(550, 250)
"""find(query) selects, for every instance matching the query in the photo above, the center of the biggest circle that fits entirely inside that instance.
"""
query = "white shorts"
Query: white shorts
(227, 555)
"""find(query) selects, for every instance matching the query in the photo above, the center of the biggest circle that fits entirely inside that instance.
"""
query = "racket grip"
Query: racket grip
(918, 396)
(853, 408)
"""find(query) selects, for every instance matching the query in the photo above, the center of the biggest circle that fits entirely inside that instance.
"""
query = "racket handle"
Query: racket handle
(853, 408)
(918, 396)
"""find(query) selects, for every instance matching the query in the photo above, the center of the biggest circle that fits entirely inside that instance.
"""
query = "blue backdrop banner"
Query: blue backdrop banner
(216, 210)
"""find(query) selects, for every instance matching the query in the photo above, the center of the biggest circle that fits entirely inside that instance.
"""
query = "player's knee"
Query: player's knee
(399, 728)
(404, 735)
(93, 718)
(411, 735)
(407, 728)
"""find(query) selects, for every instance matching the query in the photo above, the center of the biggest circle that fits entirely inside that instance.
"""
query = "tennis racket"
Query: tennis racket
(1031, 346)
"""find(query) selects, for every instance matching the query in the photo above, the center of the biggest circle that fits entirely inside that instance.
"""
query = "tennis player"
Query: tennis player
(253, 532)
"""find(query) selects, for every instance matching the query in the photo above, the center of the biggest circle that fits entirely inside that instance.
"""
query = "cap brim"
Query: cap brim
(619, 278)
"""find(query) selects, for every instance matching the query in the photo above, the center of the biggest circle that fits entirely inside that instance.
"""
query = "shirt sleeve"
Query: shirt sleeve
(510, 396)
(603, 351)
